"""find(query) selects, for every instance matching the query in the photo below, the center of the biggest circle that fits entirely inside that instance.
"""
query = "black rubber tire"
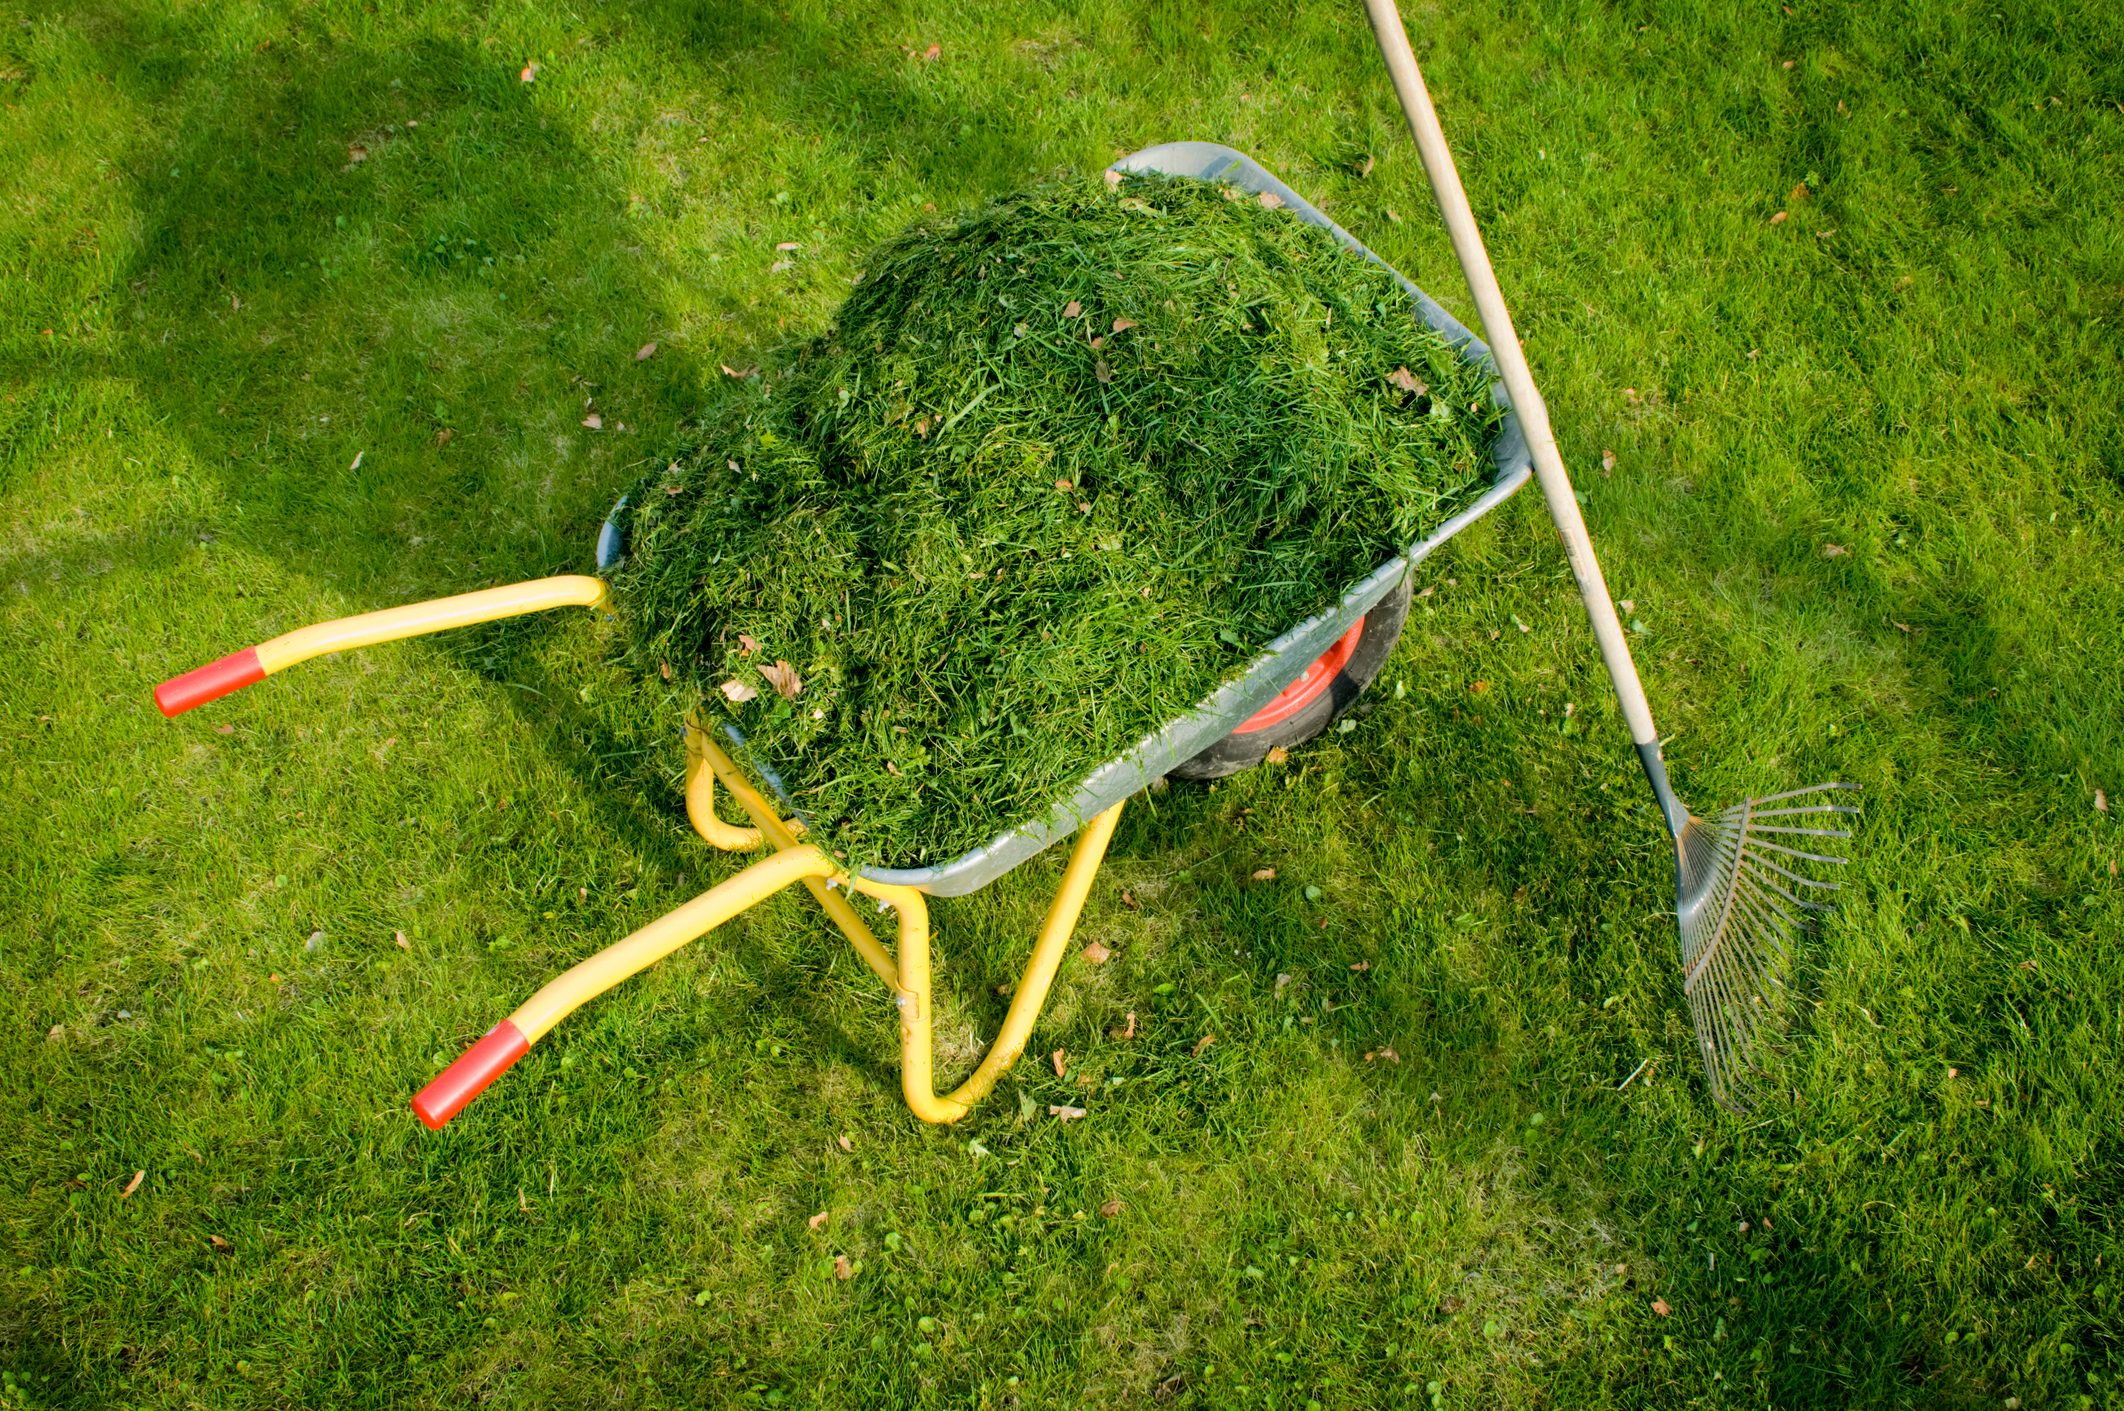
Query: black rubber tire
(1382, 628)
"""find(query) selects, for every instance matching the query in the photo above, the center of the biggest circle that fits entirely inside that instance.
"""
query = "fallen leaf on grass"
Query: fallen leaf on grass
(788, 245)
(747, 645)
(1408, 382)
(357, 460)
(1834, 551)
(1478, 687)
(1128, 899)
(1067, 1114)
(220, 1244)
(1270, 200)
(399, 937)
(1072, 309)
(929, 55)
(781, 266)
(1901, 626)
(1126, 1032)
(1278, 755)
(1060, 1058)
(445, 435)
(1659, 1306)
(738, 692)
(1264, 874)
(1779, 219)
(843, 1142)
(817, 1220)
(663, 669)
(224, 729)
(1202, 1043)
(729, 371)
(132, 1185)
(529, 72)
(1386, 1054)
(1607, 462)
(1101, 371)
(842, 1269)
(645, 352)
(356, 154)
(1122, 325)
(1799, 194)
(594, 422)
(1113, 178)
(2101, 802)
(1361, 966)
(783, 677)
(521, 1203)
(1366, 169)
(1096, 954)
(1112, 1208)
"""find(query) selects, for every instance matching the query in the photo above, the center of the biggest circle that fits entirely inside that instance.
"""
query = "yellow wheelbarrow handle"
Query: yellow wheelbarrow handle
(253, 664)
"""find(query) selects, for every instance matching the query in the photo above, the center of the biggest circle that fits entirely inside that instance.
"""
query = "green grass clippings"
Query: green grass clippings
(1058, 469)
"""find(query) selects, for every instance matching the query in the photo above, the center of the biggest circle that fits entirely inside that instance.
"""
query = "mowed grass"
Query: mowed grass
(304, 308)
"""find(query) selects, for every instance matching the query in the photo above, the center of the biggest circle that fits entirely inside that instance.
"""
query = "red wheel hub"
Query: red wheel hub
(1311, 682)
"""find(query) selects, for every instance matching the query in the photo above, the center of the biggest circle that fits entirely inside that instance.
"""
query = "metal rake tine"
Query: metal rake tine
(1796, 877)
(1795, 852)
(1810, 808)
(1802, 832)
(1810, 789)
(1766, 885)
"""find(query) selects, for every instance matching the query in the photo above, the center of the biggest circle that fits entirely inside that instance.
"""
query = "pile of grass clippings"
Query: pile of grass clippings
(1058, 469)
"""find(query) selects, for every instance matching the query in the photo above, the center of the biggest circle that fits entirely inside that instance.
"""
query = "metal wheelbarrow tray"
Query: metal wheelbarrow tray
(1091, 812)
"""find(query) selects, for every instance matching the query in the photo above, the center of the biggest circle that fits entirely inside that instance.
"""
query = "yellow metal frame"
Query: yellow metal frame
(907, 974)
(793, 861)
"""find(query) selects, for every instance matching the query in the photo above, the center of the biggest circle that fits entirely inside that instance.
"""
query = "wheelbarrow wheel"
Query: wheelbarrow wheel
(1326, 689)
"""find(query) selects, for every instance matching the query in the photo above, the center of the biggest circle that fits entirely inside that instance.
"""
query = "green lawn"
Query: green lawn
(301, 311)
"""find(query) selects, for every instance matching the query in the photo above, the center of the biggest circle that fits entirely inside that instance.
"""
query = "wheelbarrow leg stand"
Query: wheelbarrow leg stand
(909, 977)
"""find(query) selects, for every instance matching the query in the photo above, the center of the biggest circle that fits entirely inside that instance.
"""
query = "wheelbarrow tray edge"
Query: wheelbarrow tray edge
(1284, 658)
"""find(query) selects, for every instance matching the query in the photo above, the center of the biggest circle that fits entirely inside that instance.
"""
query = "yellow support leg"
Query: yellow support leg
(917, 1076)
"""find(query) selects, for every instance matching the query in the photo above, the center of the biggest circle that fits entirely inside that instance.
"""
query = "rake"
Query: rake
(1740, 895)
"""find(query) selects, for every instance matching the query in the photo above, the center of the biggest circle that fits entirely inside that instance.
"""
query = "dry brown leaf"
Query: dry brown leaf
(1366, 169)
(747, 644)
(399, 937)
(1478, 687)
(1202, 1043)
(1101, 371)
(1779, 219)
(645, 352)
(220, 1244)
(1113, 178)
(1112, 1208)
(842, 1269)
(663, 669)
(1123, 325)
(1361, 966)
(738, 692)
(1072, 309)
(224, 729)
(1264, 874)
(1066, 1113)
(1834, 551)
(132, 1185)
(921, 426)
(1659, 1305)
(1901, 626)
(929, 55)
(1270, 200)
(1060, 1058)
(1408, 382)
(356, 154)
(783, 677)
(1278, 755)
(2101, 802)
(1127, 1031)
(1128, 899)
(1098, 342)
(1799, 194)
(843, 1142)
(1607, 461)
(445, 436)
(788, 245)
(594, 422)
(892, 769)
(521, 1203)
(1096, 954)
(529, 72)
(817, 1220)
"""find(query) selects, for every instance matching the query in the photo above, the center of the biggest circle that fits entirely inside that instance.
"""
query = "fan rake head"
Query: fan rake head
(1746, 881)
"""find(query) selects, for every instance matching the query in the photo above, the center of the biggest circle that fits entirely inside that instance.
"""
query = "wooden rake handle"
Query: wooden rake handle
(1512, 365)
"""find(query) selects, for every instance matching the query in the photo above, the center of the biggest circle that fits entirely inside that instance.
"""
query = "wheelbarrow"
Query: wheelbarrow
(1293, 690)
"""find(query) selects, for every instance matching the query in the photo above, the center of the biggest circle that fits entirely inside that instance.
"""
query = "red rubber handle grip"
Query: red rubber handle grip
(210, 682)
(467, 1078)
